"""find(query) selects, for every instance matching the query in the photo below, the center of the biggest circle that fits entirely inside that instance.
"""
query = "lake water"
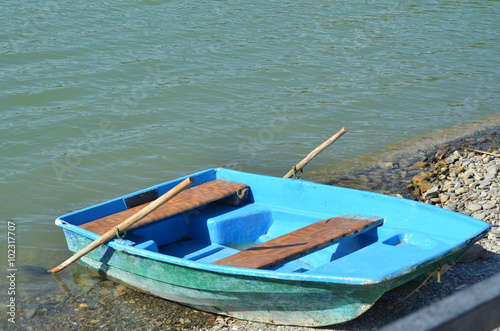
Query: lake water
(99, 99)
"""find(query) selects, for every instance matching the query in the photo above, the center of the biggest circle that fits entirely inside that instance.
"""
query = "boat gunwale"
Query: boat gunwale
(116, 245)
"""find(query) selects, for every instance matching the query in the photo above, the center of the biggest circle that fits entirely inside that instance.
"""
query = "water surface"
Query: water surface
(102, 99)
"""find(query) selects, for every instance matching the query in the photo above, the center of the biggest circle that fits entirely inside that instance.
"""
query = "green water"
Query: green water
(99, 99)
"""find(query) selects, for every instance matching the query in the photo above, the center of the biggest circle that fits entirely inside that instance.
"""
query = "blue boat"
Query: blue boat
(274, 250)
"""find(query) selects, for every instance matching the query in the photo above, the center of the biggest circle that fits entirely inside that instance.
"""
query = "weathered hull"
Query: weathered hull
(175, 258)
(262, 299)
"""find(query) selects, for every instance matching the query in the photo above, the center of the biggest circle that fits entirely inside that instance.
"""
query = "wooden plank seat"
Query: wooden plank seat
(299, 242)
(217, 190)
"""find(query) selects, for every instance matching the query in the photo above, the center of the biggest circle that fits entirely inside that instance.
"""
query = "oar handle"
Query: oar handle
(125, 224)
(315, 152)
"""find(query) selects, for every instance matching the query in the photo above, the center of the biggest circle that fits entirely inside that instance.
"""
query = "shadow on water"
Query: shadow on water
(32, 272)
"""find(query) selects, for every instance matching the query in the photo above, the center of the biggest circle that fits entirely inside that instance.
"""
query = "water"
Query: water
(101, 99)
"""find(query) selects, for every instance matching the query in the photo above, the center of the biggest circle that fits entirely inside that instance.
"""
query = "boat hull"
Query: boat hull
(260, 299)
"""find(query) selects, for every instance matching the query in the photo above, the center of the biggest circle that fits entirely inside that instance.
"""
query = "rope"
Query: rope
(437, 271)
(296, 174)
(242, 192)
(117, 233)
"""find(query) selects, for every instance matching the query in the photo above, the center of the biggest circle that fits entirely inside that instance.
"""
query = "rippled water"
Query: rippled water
(101, 99)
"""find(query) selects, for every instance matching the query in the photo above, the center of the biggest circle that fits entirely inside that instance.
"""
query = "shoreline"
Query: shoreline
(94, 303)
(407, 151)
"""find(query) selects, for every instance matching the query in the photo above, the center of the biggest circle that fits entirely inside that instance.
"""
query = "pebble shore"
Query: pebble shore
(447, 176)
(466, 182)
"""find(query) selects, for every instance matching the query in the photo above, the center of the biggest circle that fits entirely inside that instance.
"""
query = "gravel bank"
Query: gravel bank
(447, 176)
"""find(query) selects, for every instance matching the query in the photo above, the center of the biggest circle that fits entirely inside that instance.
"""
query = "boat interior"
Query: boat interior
(234, 230)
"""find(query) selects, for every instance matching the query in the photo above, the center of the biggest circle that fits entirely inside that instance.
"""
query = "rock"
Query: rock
(479, 216)
(431, 193)
(424, 186)
(488, 206)
(451, 206)
(474, 253)
(485, 183)
(30, 310)
(120, 290)
(443, 197)
(469, 173)
(419, 164)
(489, 176)
(493, 169)
(388, 165)
(422, 183)
(441, 154)
(474, 207)
(447, 186)
(459, 169)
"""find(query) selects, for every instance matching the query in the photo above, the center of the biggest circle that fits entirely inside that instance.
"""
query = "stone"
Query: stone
(466, 162)
(444, 197)
(424, 186)
(421, 185)
(467, 174)
(388, 165)
(419, 164)
(120, 290)
(431, 193)
(451, 206)
(480, 216)
(476, 252)
(493, 169)
(447, 186)
(474, 207)
(488, 206)
(489, 176)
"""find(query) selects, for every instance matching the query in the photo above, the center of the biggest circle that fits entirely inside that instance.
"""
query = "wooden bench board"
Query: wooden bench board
(196, 196)
(298, 242)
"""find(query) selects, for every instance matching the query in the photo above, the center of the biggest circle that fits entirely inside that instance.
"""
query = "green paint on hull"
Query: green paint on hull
(268, 300)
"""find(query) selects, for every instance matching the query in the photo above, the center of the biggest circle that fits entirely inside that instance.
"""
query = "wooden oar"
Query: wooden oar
(315, 152)
(125, 224)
